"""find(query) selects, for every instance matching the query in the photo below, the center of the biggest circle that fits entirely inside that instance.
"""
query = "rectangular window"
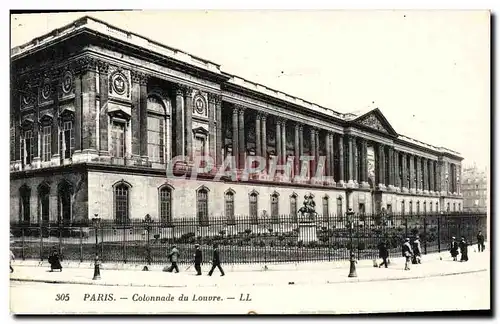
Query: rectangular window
(253, 208)
(274, 208)
(166, 207)
(156, 139)
(293, 208)
(230, 208)
(68, 136)
(340, 212)
(199, 149)
(46, 143)
(326, 210)
(28, 146)
(12, 143)
(203, 207)
(118, 140)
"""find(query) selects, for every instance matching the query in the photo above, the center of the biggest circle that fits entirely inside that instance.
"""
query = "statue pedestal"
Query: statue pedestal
(307, 232)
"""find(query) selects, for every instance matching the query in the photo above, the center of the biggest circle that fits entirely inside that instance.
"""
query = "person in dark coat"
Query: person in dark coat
(216, 262)
(454, 248)
(12, 258)
(463, 250)
(383, 253)
(407, 253)
(55, 263)
(173, 257)
(480, 242)
(417, 251)
(197, 259)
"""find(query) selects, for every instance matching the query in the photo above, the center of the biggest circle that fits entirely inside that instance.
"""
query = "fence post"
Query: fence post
(81, 243)
(41, 239)
(124, 243)
(406, 226)
(439, 232)
(102, 241)
(22, 244)
(425, 234)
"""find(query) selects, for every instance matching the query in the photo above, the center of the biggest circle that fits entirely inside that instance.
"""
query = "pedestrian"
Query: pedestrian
(216, 261)
(407, 253)
(463, 250)
(54, 261)
(383, 253)
(12, 258)
(197, 259)
(480, 242)
(417, 251)
(173, 256)
(454, 248)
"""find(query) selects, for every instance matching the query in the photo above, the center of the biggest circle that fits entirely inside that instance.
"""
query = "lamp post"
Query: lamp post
(147, 221)
(96, 220)
(350, 223)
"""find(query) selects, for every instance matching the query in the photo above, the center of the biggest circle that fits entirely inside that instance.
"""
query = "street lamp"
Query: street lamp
(350, 223)
(147, 221)
(96, 221)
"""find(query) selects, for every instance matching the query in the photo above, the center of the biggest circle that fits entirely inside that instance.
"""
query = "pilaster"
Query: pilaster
(188, 122)
(381, 167)
(218, 124)
(235, 146)
(341, 160)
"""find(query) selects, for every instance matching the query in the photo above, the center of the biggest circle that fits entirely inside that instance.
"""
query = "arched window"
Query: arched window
(459, 207)
(275, 206)
(202, 206)
(64, 194)
(437, 206)
(46, 137)
(326, 210)
(44, 202)
(229, 206)
(253, 206)
(403, 210)
(454, 207)
(28, 146)
(430, 207)
(411, 207)
(418, 207)
(425, 207)
(448, 207)
(340, 212)
(67, 138)
(122, 203)
(165, 197)
(156, 129)
(293, 207)
(24, 204)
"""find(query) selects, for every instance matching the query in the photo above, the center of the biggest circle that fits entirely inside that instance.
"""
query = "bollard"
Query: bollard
(352, 268)
(97, 272)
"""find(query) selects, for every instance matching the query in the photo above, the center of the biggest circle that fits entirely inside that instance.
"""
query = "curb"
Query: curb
(354, 280)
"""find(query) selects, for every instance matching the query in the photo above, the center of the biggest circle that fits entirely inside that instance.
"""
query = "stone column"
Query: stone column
(212, 131)
(283, 141)
(78, 117)
(143, 121)
(430, 166)
(56, 156)
(218, 125)
(426, 176)
(241, 136)
(297, 149)
(312, 151)
(316, 144)
(188, 121)
(258, 140)
(135, 118)
(355, 162)
(264, 137)
(341, 159)
(103, 115)
(332, 158)
(438, 177)
(397, 173)
(459, 179)
(301, 146)
(390, 163)
(349, 158)
(413, 190)
(328, 154)
(179, 122)
(380, 167)
(234, 145)
(89, 113)
(405, 181)
(364, 164)
(418, 175)
(278, 140)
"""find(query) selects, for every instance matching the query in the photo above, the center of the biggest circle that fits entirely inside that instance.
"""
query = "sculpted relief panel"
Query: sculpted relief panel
(373, 122)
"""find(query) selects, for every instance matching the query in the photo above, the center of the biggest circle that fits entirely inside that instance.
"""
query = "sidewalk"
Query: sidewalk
(439, 264)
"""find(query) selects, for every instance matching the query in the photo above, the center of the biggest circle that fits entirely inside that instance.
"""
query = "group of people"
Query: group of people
(173, 256)
(54, 261)
(412, 252)
(463, 248)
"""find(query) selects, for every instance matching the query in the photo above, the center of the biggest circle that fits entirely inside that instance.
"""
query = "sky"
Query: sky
(427, 71)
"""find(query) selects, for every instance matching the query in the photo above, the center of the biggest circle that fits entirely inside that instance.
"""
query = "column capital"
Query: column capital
(214, 98)
(241, 109)
(85, 63)
(263, 116)
(188, 91)
(103, 66)
(139, 77)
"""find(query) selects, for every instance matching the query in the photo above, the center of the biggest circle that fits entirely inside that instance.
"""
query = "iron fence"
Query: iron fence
(243, 239)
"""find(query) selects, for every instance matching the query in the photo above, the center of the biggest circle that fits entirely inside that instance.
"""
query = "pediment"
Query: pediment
(375, 120)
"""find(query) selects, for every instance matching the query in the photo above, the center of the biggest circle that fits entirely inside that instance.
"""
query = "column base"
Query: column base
(405, 190)
(391, 188)
(55, 160)
(398, 189)
(365, 185)
(419, 191)
(36, 163)
(381, 187)
(341, 184)
(413, 190)
(350, 184)
(16, 165)
(426, 192)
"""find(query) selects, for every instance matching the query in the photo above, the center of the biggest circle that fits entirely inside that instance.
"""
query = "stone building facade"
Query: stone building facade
(97, 113)
(475, 189)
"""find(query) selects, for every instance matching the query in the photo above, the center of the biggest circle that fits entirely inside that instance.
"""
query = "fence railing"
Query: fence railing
(244, 239)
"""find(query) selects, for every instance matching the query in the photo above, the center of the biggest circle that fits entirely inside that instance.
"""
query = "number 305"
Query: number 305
(62, 297)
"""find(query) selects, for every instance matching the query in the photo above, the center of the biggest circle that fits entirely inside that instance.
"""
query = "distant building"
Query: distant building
(475, 189)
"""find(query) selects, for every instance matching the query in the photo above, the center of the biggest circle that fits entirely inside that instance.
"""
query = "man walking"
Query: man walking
(383, 253)
(197, 259)
(480, 242)
(463, 250)
(173, 256)
(454, 248)
(12, 258)
(407, 253)
(417, 250)
(216, 262)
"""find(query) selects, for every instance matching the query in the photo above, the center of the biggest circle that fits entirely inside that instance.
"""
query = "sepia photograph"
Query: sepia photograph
(250, 162)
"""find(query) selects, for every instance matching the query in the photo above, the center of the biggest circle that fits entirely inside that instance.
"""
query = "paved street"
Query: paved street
(463, 292)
